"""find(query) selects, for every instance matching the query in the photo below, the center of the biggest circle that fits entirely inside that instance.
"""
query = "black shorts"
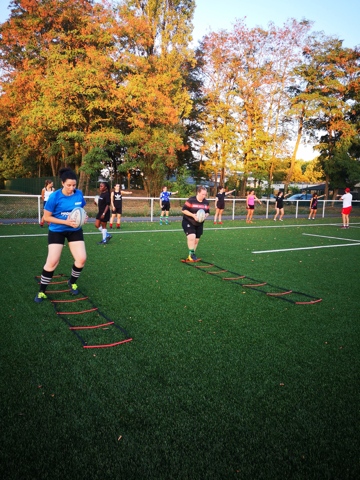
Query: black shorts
(220, 206)
(314, 207)
(59, 237)
(189, 228)
(165, 207)
(251, 207)
(104, 218)
(117, 210)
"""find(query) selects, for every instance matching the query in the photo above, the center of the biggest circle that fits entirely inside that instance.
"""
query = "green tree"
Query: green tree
(325, 100)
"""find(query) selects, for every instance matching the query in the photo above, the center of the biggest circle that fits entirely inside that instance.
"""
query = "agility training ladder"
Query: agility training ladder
(291, 296)
(95, 319)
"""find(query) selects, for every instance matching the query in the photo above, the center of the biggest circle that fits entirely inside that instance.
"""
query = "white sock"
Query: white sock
(104, 232)
(100, 228)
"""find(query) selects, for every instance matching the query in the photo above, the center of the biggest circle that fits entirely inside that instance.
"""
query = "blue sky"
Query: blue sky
(334, 17)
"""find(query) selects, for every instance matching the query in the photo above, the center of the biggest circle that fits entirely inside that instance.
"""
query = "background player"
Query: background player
(279, 206)
(347, 207)
(220, 204)
(165, 204)
(313, 206)
(116, 205)
(45, 194)
(250, 205)
(103, 215)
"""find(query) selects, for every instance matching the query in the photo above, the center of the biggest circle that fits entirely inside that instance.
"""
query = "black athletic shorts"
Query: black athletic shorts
(104, 218)
(189, 228)
(59, 237)
(165, 207)
(117, 210)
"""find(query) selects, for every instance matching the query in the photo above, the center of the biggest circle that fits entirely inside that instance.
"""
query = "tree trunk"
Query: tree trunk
(326, 191)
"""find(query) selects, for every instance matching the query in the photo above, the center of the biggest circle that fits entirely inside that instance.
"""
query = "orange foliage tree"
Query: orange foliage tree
(57, 86)
(153, 55)
(80, 77)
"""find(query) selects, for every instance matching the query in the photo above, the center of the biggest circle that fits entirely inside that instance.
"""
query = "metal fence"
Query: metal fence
(28, 208)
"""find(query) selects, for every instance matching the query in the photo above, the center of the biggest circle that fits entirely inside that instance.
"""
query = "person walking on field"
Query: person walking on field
(58, 207)
(313, 206)
(45, 194)
(250, 205)
(279, 206)
(220, 204)
(165, 204)
(192, 227)
(346, 208)
(103, 215)
(116, 205)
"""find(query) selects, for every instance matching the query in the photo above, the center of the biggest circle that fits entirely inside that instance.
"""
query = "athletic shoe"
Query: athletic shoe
(108, 236)
(40, 297)
(192, 258)
(110, 225)
(118, 225)
(103, 242)
(73, 288)
(274, 219)
(220, 223)
(280, 220)
(214, 223)
(344, 226)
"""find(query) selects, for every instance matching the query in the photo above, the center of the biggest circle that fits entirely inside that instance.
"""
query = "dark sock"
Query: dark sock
(45, 280)
(75, 274)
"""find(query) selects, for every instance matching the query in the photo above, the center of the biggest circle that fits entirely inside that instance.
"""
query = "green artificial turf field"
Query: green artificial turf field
(219, 381)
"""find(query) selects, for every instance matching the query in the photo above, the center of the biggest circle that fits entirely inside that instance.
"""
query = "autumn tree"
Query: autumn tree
(219, 145)
(58, 89)
(246, 75)
(152, 54)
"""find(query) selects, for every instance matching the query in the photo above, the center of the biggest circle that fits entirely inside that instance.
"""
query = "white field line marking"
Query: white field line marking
(181, 230)
(333, 238)
(307, 248)
(94, 233)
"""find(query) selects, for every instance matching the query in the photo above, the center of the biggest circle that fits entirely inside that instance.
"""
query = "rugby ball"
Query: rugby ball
(200, 215)
(78, 215)
(96, 199)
